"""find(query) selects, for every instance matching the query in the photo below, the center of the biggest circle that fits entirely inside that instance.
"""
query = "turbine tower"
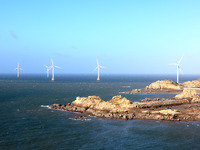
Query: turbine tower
(53, 67)
(98, 67)
(48, 69)
(178, 68)
(18, 69)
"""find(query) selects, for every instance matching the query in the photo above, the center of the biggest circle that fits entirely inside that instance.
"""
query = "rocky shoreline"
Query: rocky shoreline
(166, 86)
(183, 107)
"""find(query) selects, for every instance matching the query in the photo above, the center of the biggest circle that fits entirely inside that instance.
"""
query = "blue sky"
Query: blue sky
(128, 37)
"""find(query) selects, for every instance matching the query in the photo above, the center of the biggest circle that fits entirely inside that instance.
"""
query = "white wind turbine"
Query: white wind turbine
(178, 68)
(98, 67)
(48, 69)
(52, 67)
(18, 69)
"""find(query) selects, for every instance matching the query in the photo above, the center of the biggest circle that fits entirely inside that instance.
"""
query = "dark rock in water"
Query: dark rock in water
(80, 118)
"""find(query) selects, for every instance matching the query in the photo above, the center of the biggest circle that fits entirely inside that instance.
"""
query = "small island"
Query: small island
(183, 107)
(166, 86)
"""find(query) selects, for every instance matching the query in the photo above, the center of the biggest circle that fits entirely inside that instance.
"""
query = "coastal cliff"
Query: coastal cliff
(174, 109)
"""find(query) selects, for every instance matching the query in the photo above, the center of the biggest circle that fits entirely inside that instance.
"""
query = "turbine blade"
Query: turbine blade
(52, 61)
(95, 69)
(58, 67)
(97, 61)
(46, 66)
(180, 60)
(180, 70)
(102, 66)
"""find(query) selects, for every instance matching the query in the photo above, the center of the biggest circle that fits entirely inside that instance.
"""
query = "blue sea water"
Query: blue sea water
(27, 123)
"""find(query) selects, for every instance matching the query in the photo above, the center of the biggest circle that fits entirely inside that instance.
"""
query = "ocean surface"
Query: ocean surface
(27, 123)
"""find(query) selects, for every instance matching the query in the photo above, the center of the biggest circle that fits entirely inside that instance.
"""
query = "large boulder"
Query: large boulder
(187, 93)
(89, 101)
(119, 100)
(195, 83)
(164, 84)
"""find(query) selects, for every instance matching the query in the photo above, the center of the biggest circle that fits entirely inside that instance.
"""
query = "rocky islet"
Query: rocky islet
(166, 86)
(183, 107)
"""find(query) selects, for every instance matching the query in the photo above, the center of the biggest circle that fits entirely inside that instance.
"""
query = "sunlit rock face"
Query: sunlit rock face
(160, 86)
(164, 84)
(195, 83)
(187, 93)
(183, 107)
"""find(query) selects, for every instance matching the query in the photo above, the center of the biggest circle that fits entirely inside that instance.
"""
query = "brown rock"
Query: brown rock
(121, 108)
(164, 84)
(166, 102)
(187, 93)
(119, 101)
(195, 83)
(195, 100)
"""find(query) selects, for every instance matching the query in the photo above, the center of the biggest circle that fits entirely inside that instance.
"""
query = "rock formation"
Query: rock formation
(166, 86)
(195, 83)
(121, 108)
(188, 94)
(163, 86)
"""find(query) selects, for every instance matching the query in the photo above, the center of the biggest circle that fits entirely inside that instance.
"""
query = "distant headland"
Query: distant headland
(166, 86)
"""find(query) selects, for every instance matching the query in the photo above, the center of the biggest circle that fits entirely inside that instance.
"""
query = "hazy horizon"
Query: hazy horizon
(127, 37)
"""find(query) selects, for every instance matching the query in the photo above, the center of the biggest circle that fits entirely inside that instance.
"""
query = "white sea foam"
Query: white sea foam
(126, 86)
(79, 119)
(46, 106)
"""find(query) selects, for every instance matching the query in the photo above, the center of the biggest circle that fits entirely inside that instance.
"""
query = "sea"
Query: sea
(26, 122)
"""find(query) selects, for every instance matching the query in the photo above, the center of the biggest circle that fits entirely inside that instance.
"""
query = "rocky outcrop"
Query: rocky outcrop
(163, 86)
(195, 83)
(166, 86)
(121, 108)
(95, 102)
(162, 103)
(187, 94)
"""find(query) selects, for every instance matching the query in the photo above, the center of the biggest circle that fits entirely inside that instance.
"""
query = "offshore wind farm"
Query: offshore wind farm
(52, 67)
(96, 74)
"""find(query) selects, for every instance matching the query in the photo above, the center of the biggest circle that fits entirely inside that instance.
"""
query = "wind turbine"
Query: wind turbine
(178, 67)
(53, 66)
(18, 69)
(48, 69)
(98, 67)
